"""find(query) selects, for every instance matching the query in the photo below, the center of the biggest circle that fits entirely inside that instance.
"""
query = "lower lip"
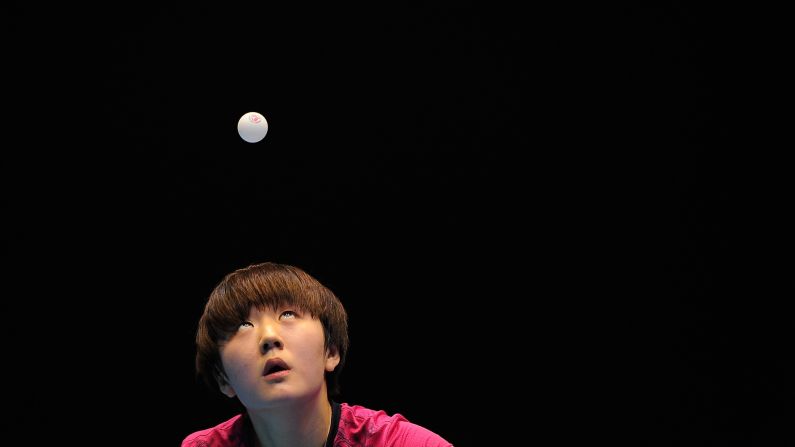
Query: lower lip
(277, 375)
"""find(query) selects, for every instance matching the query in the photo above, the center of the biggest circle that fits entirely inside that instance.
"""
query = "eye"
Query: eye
(246, 323)
(288, 314)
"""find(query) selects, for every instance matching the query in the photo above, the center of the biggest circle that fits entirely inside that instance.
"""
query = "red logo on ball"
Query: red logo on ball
(254, 119)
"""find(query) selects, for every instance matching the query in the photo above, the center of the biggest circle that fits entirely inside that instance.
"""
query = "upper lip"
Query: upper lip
(273, 363)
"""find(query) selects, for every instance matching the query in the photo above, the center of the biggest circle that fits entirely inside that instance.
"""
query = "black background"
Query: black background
(540, 222)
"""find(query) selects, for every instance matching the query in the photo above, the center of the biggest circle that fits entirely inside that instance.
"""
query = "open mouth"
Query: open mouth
(274, 366)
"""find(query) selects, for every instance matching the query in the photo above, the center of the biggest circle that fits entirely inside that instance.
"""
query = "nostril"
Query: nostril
(267, 346)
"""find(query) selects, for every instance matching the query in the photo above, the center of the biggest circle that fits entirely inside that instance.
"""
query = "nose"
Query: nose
(270, 338)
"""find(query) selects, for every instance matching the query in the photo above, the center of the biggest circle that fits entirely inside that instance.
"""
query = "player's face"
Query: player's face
(275, 356)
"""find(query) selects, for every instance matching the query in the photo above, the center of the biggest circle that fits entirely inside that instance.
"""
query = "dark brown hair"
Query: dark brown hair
(267, 285)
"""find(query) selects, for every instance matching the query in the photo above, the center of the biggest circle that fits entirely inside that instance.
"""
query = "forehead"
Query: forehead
(270, 300)
(279, 303)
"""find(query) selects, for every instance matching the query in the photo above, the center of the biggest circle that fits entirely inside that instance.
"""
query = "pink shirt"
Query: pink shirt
(358, 427)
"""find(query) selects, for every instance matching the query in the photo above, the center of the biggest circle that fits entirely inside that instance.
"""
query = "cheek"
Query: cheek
(235, 361)
(308, 347)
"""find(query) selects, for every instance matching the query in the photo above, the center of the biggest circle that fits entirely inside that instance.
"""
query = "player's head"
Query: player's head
(267, 286)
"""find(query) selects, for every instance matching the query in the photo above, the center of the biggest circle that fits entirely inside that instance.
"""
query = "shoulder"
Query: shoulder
(363, 427)
(226, 434)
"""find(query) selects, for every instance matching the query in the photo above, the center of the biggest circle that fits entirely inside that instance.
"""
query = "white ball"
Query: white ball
(252, 127)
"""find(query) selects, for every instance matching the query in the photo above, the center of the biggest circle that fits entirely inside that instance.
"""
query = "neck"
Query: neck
(297, 424)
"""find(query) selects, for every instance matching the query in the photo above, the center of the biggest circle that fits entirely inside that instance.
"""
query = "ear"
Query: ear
(224, 385)
(332, 358)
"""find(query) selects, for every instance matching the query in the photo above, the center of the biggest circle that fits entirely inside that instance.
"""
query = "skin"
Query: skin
(292, 410)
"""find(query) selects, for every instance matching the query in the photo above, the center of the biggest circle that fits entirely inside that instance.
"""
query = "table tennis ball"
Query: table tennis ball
(252, 127)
